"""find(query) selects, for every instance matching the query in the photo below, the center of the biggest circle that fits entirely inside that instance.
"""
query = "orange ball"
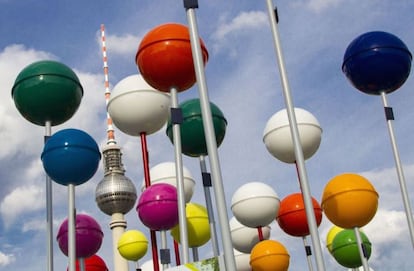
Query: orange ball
(349, 200)
(165, 58)
(269, 255)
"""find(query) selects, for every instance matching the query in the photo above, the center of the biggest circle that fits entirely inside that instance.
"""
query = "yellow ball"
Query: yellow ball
(349, 200)
(132, 245)
(331, 235)
(269, 255)
(198, 226)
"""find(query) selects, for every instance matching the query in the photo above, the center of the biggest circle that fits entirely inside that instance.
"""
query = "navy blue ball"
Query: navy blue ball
(377, 62)
(70, 156)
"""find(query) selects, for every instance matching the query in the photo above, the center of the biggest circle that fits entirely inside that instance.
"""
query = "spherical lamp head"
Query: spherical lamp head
(278, 137)
(269, 253)
(135, 107)
(132, 245)
(165, 173)
(92, 263)
(193, 139)
(165, 59)
(377, 62)
(158, 207)
(47, 91)
(198, 226)
(88, 236)
(70, 156)
(292, 217)
(331, 235)
(255, 204)
(116, 193)
(349, 200)
(245, 238)
(242, 260)
(345, 248)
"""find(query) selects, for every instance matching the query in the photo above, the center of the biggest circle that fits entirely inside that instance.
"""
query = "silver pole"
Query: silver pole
(82, 264)
(400, 172)
(180, 181)
(211, 142)
(71, 228)
(308, 255)
(164, 246)
(303, 178)
(210, 213)
(360, 250)
(49, 213)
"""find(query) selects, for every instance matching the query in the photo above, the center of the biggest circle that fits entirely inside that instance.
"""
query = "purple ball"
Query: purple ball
(88, 236)
(158, 207)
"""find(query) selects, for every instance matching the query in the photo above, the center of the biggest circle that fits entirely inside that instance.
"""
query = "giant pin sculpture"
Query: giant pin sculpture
(138, 109)
(47, 93)
(347, 192)
(378, 63)
(298, 151)
(71, 157)
(165, 61)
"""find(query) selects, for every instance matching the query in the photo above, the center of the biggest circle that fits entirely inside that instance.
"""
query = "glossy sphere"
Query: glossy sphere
(255, 204)
(158, 207)
(132, 245)
(377, 62)
(165, 173)
(269, 255)
(245, 238)
(88, 236)
(198, 226)
(70, 156)
(349, 200)
(192, 130)
(278, 138)
(331, 235)
(135, 107)
(92, 263)
(292, 215)
(345, 248)
(165, 59)
(47, 91)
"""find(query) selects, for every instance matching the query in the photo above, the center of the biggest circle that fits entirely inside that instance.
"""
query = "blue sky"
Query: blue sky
(243, 80)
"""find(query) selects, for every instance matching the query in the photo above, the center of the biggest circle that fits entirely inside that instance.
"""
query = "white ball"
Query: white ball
(165, 173)
(278, 137)
(255, 204)
(242, 261)
(245, 238)
(135, 107)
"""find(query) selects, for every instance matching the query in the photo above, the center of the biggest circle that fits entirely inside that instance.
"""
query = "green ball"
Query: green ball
(192, 130)
(345, 248)
(47, 91)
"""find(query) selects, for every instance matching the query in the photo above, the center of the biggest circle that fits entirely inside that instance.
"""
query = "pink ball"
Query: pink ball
(158, 207)
(88, 236)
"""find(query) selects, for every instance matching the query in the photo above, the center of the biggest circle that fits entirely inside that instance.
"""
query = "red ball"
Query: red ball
(93, 263)
(165, 59)
(292, 215)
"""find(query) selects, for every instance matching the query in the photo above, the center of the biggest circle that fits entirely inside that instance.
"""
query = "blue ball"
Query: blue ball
(70, 156)
(377, 62)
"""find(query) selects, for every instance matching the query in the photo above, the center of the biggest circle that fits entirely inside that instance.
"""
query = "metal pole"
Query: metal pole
(399, 168)
(211, 142)
(180, 181)
(209, 207)
(71, 228)
(49, 213)
(361, 249)
(310, 215)
(308, 253)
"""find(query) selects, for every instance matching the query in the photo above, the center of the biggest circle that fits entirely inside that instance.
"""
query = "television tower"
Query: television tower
(115, 195)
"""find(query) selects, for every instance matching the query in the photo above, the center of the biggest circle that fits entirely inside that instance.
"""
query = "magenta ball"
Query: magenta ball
(88, 236)
(158, 207)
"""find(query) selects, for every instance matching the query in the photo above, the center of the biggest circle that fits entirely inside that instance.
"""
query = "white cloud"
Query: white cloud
(125, 45)
(6, 259)
(318, 6)
(21, 200)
